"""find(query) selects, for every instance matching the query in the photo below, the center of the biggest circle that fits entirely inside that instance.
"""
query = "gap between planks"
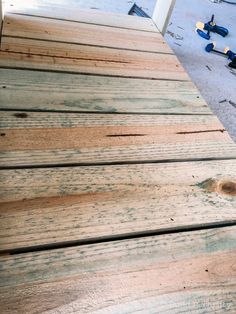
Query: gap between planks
(78, 14)
(38, 28)
(148, 30)
(124, 237)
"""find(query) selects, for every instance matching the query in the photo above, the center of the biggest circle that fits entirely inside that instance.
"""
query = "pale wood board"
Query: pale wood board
(45, 207)
(60, 205)
(22, 89)
(87, 34)
(192, 272)
(165, 67)
(63, 138)
(41, 120)
(74, 12)
(109, 56)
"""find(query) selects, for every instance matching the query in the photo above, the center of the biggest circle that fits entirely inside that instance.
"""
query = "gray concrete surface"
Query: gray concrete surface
(208, 71)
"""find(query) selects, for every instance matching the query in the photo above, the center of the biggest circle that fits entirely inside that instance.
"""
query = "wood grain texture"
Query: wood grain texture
(87, 34)
(73, 92)
(74, 12)
(41, 208)
(190, 272)
(165, 67)
(62, 138)
(108, 56)
(49, 206)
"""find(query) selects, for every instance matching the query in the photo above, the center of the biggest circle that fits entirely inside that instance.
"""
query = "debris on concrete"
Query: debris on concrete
(207, 66)
(232, 103)
(221, 80)
(173, 35)
(222, 101)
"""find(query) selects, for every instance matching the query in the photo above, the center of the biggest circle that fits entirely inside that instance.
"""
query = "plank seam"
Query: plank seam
(104, 112)
(62, 57)
(113, 163)
(89, 45)
(123, 237)
(89, 23)
(91, 74)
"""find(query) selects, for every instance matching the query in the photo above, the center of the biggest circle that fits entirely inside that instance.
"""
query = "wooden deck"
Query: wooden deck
(118, 184)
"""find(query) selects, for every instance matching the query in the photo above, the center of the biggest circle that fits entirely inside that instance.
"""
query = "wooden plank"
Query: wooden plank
(167, 67)
(94, 60)
(61, 205)
(77, 51)
(60, 139)
(87, 34)
(74, 12)
(35, 90)
(192, 272)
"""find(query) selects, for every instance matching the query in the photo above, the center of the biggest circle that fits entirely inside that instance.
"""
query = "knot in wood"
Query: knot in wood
(228, 187)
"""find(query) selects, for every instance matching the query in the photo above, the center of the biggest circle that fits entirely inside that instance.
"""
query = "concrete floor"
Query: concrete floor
(217, 82)
(208, 71)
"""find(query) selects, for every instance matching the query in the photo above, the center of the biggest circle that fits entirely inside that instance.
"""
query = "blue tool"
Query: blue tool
(227, 53)
(210, 27)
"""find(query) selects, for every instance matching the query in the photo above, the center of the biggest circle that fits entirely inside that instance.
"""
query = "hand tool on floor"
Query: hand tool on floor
(227, 53)
(210, 27)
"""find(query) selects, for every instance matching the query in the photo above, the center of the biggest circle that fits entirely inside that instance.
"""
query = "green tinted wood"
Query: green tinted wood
(71, 92)
(190, 272)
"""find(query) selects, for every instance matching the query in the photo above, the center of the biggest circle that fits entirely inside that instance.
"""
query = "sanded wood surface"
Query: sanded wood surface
(88, 34)
(73, 92)
(190, 272)
(73, 12)
(107, 55)
(103, 138)
(56, 50)
(165, 67)
(71, 204)
(49, 138)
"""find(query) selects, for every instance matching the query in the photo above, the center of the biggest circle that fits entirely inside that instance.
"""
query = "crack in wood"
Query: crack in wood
(124, 135)
(204, 131)
(29, 54)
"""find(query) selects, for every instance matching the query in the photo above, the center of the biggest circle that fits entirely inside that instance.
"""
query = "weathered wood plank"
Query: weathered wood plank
(87, 34)
(49, 138)
(192, 272)
(57, 205)
(121, 57)
(34, 120)
(156, 66)
(74, 92)
(74, 12)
